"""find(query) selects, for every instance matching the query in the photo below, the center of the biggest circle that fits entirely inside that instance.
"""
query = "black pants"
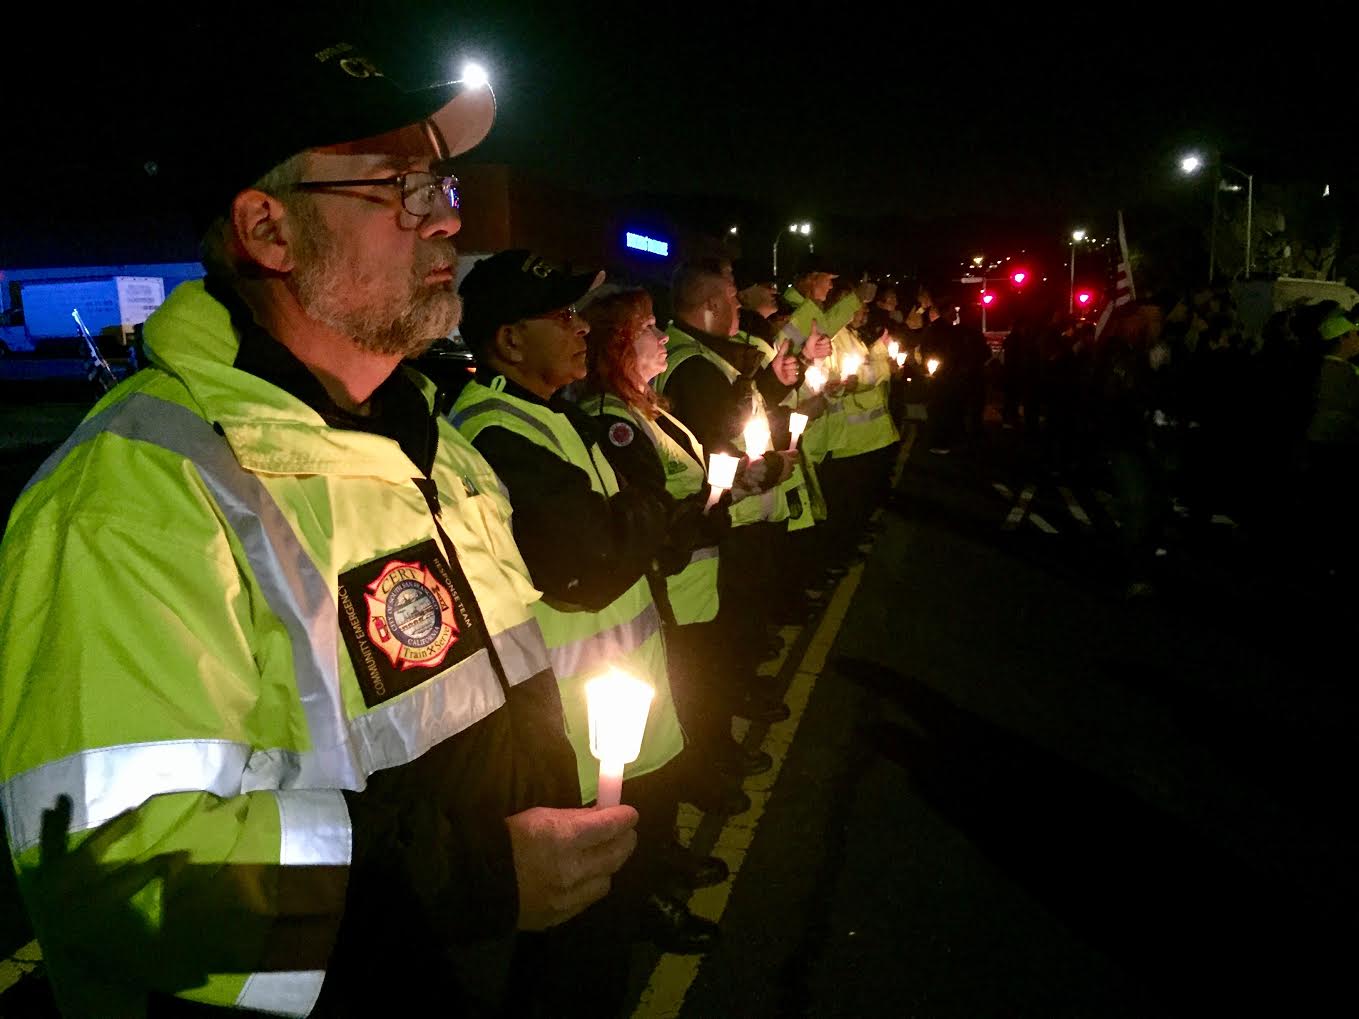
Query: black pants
(580, 968)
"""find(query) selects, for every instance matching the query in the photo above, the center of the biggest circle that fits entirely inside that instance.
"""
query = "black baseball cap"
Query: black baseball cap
(237, 121)
(514, 285)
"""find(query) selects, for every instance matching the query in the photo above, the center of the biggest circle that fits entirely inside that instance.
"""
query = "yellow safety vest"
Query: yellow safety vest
(788, 501)
(692, 591)
(582, 643)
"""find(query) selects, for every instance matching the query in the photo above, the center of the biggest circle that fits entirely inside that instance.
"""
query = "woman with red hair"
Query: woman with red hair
(651, 447)
(648, 446)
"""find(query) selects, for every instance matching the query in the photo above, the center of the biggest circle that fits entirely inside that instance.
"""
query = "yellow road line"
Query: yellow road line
(674, 974)
(19, 965)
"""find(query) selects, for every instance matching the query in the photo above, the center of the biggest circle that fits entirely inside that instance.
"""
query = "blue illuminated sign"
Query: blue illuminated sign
(650, 245)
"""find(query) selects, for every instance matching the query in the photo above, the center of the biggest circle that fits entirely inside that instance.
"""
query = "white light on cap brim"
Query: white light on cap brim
(474, 75)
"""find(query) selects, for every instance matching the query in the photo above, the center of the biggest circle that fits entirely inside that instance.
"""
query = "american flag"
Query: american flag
(1124, 291)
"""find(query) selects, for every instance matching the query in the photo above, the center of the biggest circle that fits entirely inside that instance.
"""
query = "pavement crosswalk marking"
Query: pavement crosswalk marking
(674, 974)
(1039, 522)
(1076, 510)
(1020, 508)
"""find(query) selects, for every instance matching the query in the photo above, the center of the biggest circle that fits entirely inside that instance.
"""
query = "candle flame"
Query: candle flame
(618, 703)
(722, 470)
(757, 437)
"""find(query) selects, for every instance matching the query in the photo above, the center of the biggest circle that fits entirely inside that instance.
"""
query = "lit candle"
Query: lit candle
(849, 365)
(931, 365)
(892, 347)
(815, 377)
(618, 703)
(757, 437)
(721, 475)
(797, 424)
(900, 355)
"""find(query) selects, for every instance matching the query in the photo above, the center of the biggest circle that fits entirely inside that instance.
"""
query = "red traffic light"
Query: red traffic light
(987, 297)
(1084, 297)
(1018, 277)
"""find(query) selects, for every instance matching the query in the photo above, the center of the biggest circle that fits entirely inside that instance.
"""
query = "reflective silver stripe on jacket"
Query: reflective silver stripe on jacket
(522, 651)
(865, 416)
(703, 553)
(343, 754)
(590, 653)
(108, 781)
(314, 832)
(492, 405)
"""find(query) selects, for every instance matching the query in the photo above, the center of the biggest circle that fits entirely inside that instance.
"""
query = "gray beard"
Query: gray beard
(326, 283)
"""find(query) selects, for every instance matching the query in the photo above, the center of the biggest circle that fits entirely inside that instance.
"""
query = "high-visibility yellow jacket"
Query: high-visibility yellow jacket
(788, 501)
(693, 591)
(581, 642)
(219, 616)
(862, 418)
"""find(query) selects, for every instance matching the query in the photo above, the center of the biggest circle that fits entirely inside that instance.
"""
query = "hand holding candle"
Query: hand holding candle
(849, 365)
(618, 704)
(721, 475)
(815, 377)
(797, 424)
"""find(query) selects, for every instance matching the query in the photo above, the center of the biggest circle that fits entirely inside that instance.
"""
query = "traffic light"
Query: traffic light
(1083, 298)
(1019, 277)
(987, 297)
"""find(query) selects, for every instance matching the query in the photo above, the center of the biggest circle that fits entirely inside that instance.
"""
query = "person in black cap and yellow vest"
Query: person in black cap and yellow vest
(331, 762)
(589, 542)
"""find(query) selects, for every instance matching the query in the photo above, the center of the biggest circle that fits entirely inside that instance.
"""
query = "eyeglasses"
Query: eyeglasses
(562, 316)
(420, 191)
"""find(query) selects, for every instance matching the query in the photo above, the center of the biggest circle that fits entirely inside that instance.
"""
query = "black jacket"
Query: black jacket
(716, 410)
(634, 458)
(580, 547)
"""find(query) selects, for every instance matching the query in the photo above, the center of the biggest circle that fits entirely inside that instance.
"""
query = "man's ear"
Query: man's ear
(508, 344)
(261, 231)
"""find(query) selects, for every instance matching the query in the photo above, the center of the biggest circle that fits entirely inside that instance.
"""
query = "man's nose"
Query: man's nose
(443, 221)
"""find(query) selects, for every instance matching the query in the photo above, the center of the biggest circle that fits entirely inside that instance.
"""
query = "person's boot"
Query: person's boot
(671, 926)
(761, 708)
(688, 871)
(735, 761)
(716, 796)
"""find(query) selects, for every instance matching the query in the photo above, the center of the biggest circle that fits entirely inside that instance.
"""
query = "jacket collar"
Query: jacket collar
(728, 348)
(275, 421)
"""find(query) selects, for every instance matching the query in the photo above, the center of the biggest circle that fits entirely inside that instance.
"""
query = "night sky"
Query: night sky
(922, 113)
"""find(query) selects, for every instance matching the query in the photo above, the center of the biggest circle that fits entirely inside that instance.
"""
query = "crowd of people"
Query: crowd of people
(293, 699)
(293, 703)
(1173, 406)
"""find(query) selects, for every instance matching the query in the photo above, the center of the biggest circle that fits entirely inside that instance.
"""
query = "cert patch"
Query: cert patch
(405, 619)
(620, 434)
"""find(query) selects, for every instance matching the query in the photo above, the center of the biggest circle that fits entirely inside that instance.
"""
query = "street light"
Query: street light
(474, 75)
(1191, 164)
(1076, 237)
(733, 231)
(803, 228)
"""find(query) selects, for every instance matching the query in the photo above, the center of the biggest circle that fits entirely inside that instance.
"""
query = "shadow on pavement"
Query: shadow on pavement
(1201, 930)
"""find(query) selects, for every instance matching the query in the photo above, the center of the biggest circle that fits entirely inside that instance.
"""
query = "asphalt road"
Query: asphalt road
(1014, 793)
